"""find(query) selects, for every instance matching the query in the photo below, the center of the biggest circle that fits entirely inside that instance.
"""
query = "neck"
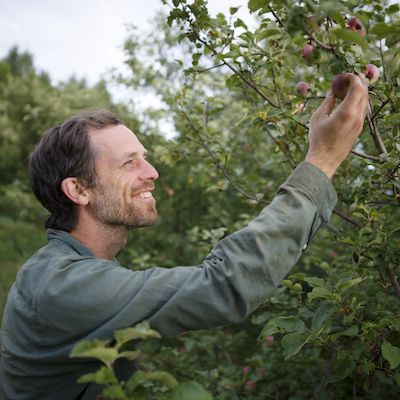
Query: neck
(104, 241)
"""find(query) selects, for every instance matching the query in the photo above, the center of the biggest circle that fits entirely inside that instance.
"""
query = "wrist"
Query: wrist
(328, 167)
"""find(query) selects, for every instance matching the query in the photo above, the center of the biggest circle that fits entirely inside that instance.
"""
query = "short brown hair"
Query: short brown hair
(66, 151)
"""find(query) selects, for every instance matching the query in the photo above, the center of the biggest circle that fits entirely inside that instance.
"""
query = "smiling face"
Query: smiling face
(125, 179)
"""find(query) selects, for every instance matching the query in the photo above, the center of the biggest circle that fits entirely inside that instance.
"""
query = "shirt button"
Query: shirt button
(305, 246)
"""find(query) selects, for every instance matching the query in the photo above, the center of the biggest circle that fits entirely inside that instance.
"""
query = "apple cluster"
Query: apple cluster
(340, 83)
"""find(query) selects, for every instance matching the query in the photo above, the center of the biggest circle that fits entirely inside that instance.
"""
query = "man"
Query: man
(92, 174)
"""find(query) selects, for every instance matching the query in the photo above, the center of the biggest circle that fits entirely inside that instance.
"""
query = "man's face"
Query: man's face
(125, 179)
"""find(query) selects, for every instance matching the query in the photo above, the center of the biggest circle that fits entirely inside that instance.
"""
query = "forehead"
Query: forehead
(113, 142)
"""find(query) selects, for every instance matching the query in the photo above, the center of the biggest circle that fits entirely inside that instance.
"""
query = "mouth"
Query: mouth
(143, 195)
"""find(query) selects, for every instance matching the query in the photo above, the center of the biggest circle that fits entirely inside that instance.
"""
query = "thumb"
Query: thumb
(326, 106)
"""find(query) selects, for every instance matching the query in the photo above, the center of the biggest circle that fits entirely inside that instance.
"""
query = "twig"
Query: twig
(238, 73)
(217, 163)
(383, 280)
(394, 282)
(280, 22)
(275, 87)
(383, 64)
(342, 215)
(380, 108)
(285, 153)
(200, 71)
(367, 156)
(375, 133)
(385, 203)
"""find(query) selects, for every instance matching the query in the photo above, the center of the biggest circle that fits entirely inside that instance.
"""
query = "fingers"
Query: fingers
(357, 93)
(326, 106)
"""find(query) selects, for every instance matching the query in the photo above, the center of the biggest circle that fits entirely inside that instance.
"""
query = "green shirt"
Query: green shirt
(64, 294)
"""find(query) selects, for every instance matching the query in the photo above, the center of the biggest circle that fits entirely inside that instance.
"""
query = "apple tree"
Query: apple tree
(239, 96)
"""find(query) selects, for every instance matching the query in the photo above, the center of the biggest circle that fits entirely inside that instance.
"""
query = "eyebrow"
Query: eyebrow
(133, 154)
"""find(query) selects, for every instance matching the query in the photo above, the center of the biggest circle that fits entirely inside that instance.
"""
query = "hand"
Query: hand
(333, 132)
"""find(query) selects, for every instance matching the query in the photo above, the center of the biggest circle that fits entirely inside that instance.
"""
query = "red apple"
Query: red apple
(307, 52)
(372, 73)
(302, 88)
(269, 339)
(356, 26)
(340, 84)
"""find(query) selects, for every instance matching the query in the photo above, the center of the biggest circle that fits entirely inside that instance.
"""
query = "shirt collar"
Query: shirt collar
(65, 237)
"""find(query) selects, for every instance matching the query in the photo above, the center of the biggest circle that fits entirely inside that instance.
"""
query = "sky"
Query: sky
(83, 38)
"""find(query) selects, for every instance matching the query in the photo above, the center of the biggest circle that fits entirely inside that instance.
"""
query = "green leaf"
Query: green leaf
(129, 355)
(352, 331)
(320, 293)
(394, 8)
(341, 369)
(86, 345)
(391, 354)
(293, 343)
(323, 313)
(315, 282)
(104, 376)
(396, 378)
(350, 36)
(115, 392)
(139, 331)
(283, 324)
(233, 10)
(351, 282)
(255, 5)
(190, 391)
(140, 377)
(265, 33)
(95, 349)
(382, 30)
(394, 323)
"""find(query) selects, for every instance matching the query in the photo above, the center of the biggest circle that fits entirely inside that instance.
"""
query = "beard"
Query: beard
(113, 211)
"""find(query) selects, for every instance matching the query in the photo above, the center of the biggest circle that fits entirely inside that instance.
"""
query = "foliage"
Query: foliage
(231, 91)
(142, 384)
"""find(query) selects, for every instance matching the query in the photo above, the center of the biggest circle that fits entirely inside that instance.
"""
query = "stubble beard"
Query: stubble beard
(112, 211)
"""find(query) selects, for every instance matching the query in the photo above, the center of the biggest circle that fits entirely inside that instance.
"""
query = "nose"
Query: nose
(149, 172)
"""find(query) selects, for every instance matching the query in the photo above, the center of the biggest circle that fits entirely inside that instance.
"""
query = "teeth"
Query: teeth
(144, 195)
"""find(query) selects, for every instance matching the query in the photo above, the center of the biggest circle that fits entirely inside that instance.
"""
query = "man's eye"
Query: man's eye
(129, 162)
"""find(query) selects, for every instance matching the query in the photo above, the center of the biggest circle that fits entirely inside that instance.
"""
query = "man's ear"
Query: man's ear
(75, 191)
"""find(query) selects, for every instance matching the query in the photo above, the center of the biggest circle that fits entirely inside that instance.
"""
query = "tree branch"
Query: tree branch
(200, 71)
(344, 216)
(380, 108)
(394, 282)
(280, 22)
(285, 153)
(367, 156)
(218, 165)
(375, 133)
(238, 73)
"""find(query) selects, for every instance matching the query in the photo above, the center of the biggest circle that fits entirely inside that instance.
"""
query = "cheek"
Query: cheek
(126, 188)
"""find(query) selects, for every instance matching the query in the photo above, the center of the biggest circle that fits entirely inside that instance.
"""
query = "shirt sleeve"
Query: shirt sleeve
(238, 274)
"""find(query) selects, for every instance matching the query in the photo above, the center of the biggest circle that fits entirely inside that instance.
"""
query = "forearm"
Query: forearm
(248, 265)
